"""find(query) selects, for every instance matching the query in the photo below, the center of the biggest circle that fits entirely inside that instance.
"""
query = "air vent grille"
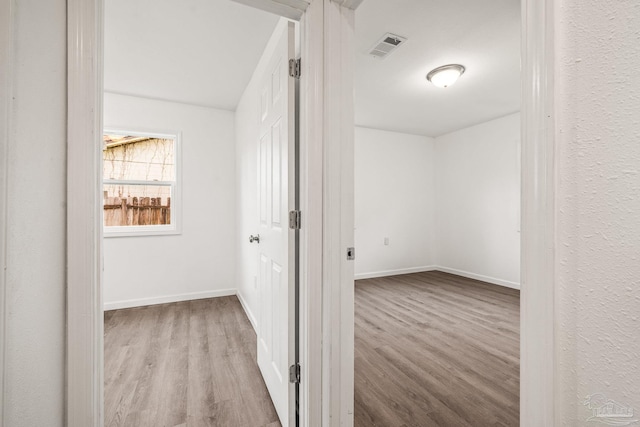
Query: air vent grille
(386, 45)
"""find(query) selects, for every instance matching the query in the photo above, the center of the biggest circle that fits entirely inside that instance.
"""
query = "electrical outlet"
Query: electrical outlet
(386, 241)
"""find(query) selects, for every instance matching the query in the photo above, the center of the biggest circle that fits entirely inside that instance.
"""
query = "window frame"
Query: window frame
(176, 188)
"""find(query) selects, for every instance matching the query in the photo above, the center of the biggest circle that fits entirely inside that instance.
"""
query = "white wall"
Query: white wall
(478, 201)
(247, 135)
(199, 262)
(598, 204)
(449, 203)
(34, 268)
(394, 198)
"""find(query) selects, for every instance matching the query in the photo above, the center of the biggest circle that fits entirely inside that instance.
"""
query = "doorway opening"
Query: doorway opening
(198, 154)
(437, 213)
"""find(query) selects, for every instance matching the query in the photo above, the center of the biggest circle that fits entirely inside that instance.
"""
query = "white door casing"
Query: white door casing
(276, 185)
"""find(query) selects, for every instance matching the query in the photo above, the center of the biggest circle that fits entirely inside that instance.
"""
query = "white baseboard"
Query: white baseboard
(167, 299)
(462, 273)
(386, 273)
(480, 277)
(248, 312)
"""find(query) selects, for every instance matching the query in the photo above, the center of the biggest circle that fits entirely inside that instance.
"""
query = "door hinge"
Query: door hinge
(294, 373)
(294, 68)
(295, 220)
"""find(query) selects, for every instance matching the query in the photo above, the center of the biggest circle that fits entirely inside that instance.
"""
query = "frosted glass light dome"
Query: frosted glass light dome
(446, 75)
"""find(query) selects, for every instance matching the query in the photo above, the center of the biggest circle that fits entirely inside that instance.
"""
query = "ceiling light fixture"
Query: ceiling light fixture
(446, 75)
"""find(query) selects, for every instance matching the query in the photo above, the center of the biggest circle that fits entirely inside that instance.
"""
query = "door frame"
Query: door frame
(326, 189)
(85, 319)
(538, 365)
(6, 39)
(84, 383)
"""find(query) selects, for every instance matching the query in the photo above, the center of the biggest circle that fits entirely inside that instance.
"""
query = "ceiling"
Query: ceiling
(393, 93)
(203, 52)
(199, 52)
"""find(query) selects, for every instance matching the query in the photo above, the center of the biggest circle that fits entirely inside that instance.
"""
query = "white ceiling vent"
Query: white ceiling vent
(387, 44)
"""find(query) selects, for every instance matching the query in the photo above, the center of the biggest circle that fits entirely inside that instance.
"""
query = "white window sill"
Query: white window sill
(142, 231)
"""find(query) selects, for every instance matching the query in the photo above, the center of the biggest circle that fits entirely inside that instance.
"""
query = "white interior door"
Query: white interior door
(276, 180)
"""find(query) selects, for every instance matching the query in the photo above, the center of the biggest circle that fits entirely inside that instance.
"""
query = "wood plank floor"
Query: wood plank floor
(434, 349)
(186, 364)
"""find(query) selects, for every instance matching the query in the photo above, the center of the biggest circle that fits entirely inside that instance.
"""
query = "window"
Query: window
(140, 194)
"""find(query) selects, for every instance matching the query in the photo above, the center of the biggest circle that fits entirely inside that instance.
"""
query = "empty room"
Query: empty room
(437, 213)
(197, 96)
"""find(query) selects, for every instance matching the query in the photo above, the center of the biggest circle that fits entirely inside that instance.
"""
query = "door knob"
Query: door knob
(255, 238)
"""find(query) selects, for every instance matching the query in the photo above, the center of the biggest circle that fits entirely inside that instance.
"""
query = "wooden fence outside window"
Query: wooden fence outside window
(133, 211)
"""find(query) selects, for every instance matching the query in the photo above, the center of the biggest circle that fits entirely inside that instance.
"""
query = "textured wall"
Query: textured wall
(598, 204)
(35, 292)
